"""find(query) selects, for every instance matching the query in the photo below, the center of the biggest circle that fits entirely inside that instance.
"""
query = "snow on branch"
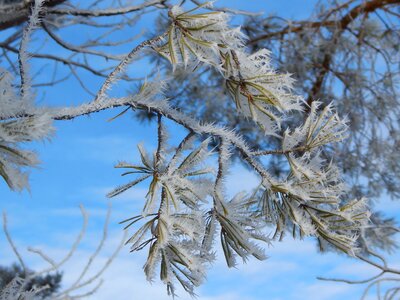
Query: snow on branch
(16, 130)
(23, 55)
(186, 206)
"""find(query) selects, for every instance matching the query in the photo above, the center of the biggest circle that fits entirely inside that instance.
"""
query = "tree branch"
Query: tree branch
(363, 8)
(15, 14)
(104, 12)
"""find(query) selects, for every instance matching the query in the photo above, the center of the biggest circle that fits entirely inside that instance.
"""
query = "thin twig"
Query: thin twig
(72, 249)
(104, 12)
(13, 247)
(121, 66)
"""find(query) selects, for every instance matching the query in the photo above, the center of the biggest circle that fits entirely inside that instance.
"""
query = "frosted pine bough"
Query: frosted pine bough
(186, 209)
(307, 200)
(15, 290)
(16, 126)
(17, 129)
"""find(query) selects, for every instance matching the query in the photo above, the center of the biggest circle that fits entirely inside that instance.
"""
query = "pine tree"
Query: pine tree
(186, 209)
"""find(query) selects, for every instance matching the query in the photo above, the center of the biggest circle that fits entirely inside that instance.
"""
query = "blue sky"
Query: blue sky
(77, 168)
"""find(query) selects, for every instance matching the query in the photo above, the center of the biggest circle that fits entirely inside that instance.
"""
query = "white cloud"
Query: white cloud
(353, 269)
(322, 291)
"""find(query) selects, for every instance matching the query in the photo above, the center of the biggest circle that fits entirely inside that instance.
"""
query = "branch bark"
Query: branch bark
(15, 14)
(340, 25)
(104, 12)
(363, 8)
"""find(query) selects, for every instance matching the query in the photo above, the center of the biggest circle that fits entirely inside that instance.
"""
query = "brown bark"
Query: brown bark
(15, 14)
(365, 7)
(340, 25)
